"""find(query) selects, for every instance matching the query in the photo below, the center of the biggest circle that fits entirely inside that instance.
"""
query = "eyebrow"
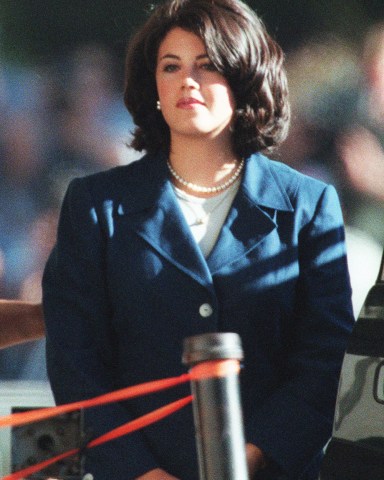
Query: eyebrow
(176, 57)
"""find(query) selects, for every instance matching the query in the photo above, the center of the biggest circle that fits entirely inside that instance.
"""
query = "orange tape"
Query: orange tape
(123, 394)
(142, 422)
(214, 369)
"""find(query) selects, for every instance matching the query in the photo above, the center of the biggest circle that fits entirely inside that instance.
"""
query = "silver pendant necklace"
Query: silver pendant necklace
(201, 189)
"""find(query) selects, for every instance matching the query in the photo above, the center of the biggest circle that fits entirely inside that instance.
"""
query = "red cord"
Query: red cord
(22, 418)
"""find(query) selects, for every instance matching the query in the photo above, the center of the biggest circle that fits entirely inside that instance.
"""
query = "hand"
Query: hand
(20, 322)
(255, 459)
(157, 474)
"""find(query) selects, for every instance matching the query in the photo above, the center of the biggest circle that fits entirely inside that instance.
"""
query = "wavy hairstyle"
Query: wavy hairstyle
(239, 47)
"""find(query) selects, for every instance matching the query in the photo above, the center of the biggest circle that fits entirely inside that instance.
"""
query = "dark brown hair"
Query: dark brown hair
(241, 50)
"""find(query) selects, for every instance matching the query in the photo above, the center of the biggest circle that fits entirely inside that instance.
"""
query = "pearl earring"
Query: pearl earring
(158, 105)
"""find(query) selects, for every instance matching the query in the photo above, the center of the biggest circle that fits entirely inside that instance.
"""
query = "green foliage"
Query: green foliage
(32, 30)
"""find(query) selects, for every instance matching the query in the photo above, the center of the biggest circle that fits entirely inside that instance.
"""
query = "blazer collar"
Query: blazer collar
(263, 186)
(253, 213)
(153, 211)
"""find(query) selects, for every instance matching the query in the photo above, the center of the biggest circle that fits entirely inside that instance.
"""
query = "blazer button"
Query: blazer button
(88, 476)
(205, 310)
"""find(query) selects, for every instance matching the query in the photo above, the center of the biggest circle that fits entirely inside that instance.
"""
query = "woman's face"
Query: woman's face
(195, 98)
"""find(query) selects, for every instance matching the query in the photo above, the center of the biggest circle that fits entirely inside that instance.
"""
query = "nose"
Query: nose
(190, 81)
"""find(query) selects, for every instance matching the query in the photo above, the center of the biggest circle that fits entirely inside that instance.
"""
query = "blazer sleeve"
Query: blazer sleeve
(294, 424)
(80, 349)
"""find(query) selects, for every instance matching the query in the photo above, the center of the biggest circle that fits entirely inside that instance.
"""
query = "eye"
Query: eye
(170, 67)
(209, 66)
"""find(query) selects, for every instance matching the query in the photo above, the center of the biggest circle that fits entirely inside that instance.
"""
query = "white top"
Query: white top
(206, 216)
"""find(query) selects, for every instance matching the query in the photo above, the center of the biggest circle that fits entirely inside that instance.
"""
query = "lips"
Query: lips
(188, 102)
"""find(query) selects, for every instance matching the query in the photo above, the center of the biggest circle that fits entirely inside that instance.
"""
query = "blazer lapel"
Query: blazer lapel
(158, 219)
(252, 216)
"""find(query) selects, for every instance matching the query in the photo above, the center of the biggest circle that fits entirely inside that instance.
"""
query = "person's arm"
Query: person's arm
(81, 344)
(20, 322)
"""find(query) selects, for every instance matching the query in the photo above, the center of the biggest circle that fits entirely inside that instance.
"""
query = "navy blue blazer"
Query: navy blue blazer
(124, 285)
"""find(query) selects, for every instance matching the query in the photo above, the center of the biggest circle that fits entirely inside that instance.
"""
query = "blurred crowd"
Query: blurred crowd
(60, 121)
(337, 135)
(67, 119)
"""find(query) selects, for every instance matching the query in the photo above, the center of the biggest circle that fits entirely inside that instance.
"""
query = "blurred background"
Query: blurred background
(62, 115)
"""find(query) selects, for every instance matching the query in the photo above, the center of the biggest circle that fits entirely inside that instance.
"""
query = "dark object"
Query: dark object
(217, 409)
(356, 450)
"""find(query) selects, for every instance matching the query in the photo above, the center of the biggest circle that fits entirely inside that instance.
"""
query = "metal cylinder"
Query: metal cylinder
(216, 405)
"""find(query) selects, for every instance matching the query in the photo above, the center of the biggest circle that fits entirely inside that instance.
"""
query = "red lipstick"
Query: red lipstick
(188, 102)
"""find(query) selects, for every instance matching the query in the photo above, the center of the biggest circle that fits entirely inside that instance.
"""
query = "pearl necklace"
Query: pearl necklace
(200, 189)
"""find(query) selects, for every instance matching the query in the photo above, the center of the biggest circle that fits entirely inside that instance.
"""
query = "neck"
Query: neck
(203, 162)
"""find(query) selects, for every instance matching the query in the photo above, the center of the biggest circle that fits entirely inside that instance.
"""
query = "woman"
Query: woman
(202, 234)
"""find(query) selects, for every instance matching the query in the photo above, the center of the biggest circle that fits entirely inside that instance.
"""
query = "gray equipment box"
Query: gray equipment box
(39, 441)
